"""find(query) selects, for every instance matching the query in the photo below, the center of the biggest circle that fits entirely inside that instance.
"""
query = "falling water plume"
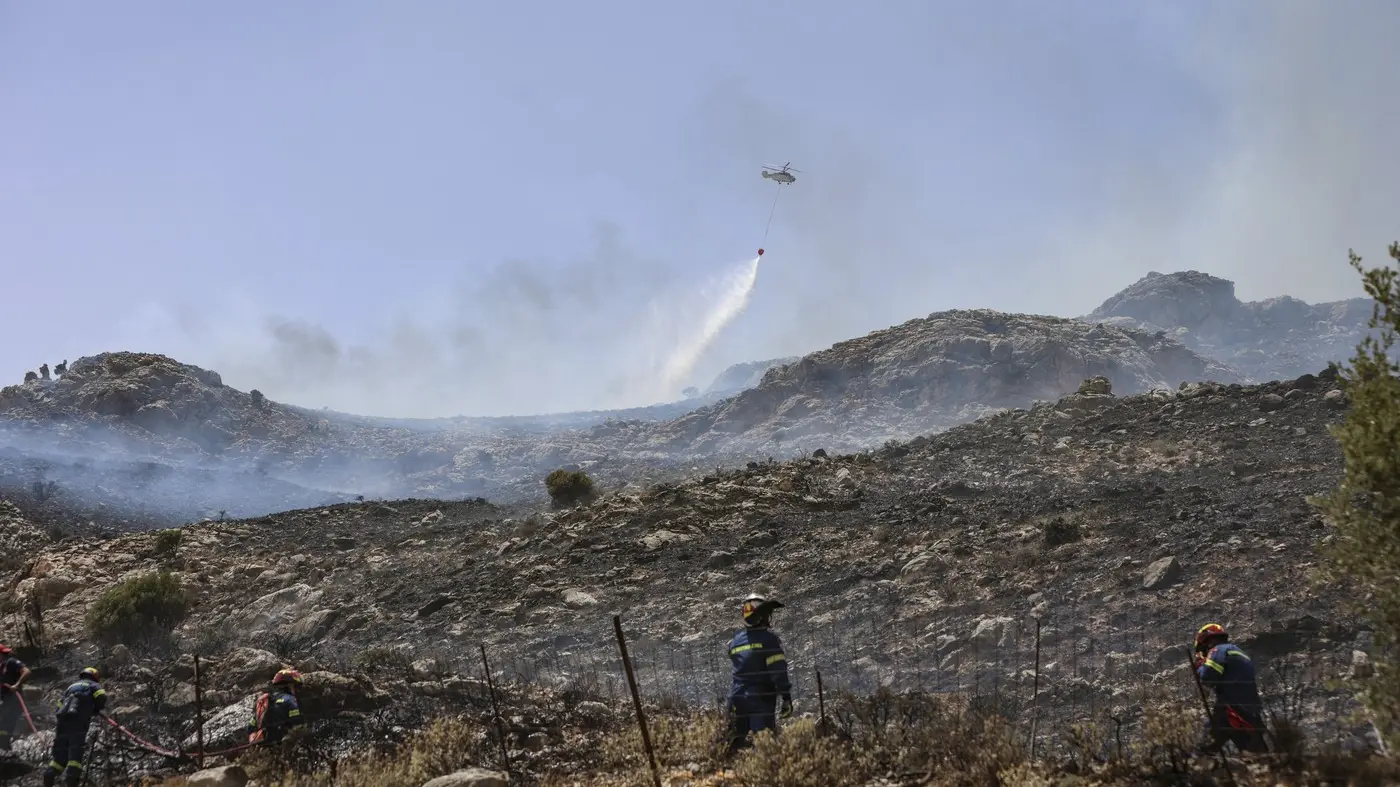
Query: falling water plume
(731, 297)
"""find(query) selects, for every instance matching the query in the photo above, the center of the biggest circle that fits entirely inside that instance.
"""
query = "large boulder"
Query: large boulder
(228, 726)
(291, 609)
(1161, 574)
(470, 777)
(246, 669)
(223, 776)
(326, 694)
(1097, 385)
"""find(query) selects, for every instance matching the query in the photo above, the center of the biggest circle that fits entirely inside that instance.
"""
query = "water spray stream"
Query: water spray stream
(732, 296)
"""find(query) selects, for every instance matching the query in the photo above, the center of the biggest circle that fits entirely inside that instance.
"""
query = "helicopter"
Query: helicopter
(781, 174)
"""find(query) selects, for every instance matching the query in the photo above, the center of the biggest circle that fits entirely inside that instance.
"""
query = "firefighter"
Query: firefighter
(276, 711)
(12, 676)
(80, 702)
(1238, 715)
(760, 674)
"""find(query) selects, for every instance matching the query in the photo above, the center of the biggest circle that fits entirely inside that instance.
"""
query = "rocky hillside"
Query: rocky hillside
(929, 374)
(1120, 523)
(18, 535)
(131, 440)
(1272, 339)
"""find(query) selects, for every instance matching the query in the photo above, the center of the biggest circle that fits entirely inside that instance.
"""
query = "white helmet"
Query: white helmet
(756, 609)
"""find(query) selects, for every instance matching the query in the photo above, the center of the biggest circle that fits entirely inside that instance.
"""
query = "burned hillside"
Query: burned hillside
(1113, 525)
(930, 374)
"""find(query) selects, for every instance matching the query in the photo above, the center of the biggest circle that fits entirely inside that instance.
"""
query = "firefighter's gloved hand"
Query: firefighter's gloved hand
(1199, 660)
(786, 712)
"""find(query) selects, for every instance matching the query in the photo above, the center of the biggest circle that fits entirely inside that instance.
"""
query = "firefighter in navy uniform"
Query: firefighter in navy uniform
(760, 675)
(12, 676)
(276, 711)
(80, 702)
(1238, 715)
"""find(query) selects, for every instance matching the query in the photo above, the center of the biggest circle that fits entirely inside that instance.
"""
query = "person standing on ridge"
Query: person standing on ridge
(760, 675)
(276, 710)
(80, 702)
(12, 676)
(1238, 715)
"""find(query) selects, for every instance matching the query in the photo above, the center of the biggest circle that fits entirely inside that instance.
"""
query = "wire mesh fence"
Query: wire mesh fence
(1049, 674)
(1052, 674)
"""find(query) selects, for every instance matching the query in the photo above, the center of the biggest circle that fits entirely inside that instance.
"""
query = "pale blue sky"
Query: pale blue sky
(431, 208)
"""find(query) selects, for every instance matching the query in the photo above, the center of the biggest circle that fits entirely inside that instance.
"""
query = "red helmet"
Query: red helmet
(287, 677)
(1208, 632)
(5, 650)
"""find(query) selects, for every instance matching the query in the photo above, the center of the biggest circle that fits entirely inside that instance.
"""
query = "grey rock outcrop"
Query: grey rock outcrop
(471, 777)
(1275, 339)
(931, 373)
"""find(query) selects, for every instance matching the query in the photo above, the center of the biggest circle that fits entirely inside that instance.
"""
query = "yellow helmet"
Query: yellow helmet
(1207, 632)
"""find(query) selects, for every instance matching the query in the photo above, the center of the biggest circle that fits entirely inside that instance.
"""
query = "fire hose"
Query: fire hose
(19, 695)
(138, 740)
(151, 747)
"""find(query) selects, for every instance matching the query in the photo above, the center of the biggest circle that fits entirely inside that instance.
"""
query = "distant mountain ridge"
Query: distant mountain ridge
(135, 440)
(1274, 339)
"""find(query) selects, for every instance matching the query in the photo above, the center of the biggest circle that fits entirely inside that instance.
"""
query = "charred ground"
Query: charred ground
(1119, 523)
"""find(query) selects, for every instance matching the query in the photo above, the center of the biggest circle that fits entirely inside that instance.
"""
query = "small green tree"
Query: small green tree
(568, 487)
(138, 609)
(167, 541)
(1365, 506)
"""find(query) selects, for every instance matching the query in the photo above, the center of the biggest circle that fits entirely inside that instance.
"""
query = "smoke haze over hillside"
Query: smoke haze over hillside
(350, 214)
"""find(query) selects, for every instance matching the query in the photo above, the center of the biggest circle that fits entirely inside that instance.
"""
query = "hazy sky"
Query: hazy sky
(453, 206)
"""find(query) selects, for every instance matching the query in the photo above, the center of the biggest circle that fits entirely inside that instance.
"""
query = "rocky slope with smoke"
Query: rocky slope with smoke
(132, 440)
(743, 376)
(1115, 523)
(929, 374)
(1272, 339)
(129, 441)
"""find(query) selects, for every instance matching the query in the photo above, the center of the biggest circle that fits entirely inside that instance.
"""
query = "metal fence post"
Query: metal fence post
(198, 714)
(636, 699)
(1035, 691)
(496, 710)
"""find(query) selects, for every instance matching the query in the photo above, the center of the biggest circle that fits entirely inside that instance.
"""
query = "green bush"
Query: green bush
(569, 487)
(167, 541)
(137, 609)
(1365, 506)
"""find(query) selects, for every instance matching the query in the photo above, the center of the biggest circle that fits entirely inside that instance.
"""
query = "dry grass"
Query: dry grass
(884, 739)
(445, 746)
